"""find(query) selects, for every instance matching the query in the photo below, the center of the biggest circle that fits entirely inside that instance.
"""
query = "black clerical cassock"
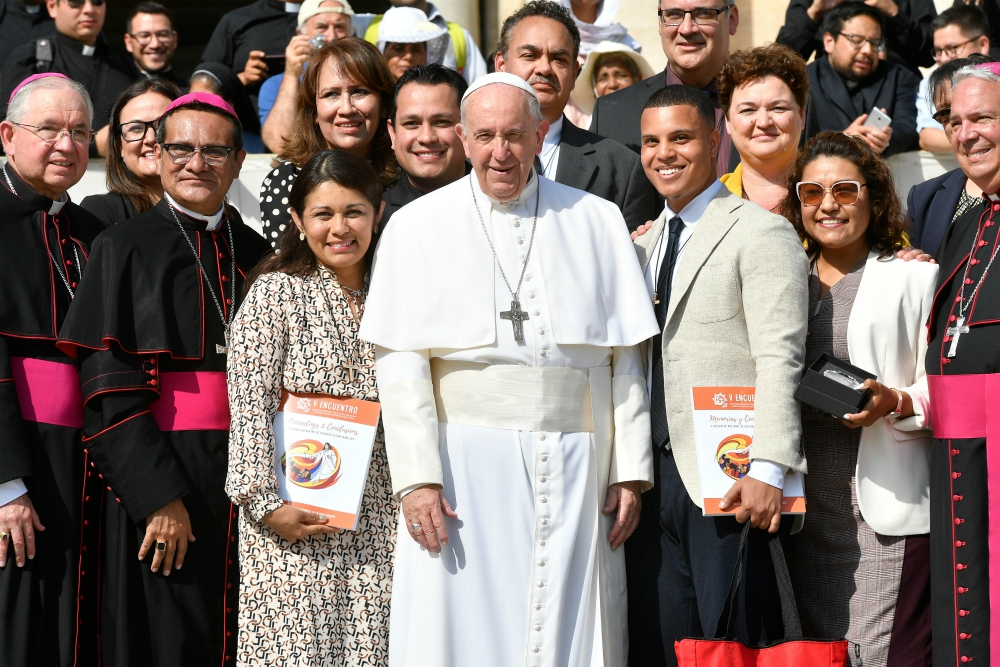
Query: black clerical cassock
(47, 607)
(963, 373)
(147, 329)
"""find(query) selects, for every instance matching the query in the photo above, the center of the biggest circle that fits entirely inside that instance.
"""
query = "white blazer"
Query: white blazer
(887, 335)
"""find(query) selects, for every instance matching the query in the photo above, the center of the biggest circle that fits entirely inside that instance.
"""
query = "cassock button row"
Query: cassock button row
(964, 612)
(959, 544)
(957, 497)
(964, 635)
(959, 522)
(974, 262)
(966, 658)
(962, 591)
(956, 475)
(960, 567)
(62, 241)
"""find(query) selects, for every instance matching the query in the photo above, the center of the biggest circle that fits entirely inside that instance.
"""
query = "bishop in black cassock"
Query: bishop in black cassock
(963, 374)
(48, 603)
(149, 328)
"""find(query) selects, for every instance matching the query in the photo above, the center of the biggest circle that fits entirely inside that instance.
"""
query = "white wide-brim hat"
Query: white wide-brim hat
(406, 25)
(583, 94)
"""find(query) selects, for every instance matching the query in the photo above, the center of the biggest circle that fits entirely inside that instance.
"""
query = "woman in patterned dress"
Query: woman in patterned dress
(343, 105)
(309, 594)
(860, 564)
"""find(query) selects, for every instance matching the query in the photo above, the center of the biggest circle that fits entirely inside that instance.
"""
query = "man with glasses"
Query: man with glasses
(21, 21)
(150, 328)
(907, 29)
(852, 79)
(695, 37)
(959, 32)
(151, 39)
(49, 506)
(77, 49)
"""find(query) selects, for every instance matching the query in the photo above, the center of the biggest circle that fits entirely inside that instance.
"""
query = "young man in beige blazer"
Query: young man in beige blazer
(728, 283)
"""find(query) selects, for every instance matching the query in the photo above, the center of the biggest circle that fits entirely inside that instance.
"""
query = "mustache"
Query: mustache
(550, 80)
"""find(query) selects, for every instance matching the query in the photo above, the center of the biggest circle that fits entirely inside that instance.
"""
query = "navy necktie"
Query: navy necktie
(658, 408)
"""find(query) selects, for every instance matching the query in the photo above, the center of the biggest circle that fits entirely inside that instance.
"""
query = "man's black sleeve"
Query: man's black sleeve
(800, 32)
(910, 28)
(220, 46)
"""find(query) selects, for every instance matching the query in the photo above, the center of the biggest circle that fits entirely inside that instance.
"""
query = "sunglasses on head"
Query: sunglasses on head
(844, 193)
(77, 4)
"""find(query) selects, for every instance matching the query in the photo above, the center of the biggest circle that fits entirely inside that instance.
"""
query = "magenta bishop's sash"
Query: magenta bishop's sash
(195, 401)
(48, 391)
(966, 406)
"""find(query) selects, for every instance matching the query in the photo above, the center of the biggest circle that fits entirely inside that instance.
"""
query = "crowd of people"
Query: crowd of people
(529, 302)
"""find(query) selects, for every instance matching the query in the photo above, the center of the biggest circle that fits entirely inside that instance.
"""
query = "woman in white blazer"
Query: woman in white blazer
(860, 564)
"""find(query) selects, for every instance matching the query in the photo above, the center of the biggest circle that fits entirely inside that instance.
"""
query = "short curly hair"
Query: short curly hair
(748, 65)
(887, 223)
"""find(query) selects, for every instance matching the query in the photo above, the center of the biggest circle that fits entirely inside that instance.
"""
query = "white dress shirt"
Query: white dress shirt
(549, 156)
(761, 469)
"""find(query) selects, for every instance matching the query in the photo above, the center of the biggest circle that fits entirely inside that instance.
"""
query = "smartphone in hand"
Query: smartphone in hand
(877, 119)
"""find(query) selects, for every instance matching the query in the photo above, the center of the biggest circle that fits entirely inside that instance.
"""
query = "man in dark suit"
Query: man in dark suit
(908, 35)
(845, 85)
(695, 37)
(21, 22)
(540, 43)
(930, 206)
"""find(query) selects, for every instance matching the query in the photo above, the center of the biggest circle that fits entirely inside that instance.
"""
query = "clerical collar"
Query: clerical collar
(33, 9)
(28, 194)
(993, 198)
(695, 208)
(526, 194)
(89, 50)
(212, 221)
(293, 7)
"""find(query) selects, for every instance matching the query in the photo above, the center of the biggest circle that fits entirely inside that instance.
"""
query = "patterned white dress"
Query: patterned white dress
(323, 600)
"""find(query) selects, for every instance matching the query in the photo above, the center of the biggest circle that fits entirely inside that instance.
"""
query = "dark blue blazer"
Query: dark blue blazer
(930, 207)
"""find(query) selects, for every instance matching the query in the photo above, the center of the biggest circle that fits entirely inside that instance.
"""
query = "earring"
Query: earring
(302, 237)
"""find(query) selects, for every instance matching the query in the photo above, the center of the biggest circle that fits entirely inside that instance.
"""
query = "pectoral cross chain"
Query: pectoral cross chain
(517, 318)
(955, 332)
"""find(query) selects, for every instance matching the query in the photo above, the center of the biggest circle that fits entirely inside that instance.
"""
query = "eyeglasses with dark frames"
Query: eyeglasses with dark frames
(214, 156)
(51, 135)
(135, 130)
(144, 38)
(77, 4)
(952, 49)
(700, 15)
(858, 41)
(844, 193)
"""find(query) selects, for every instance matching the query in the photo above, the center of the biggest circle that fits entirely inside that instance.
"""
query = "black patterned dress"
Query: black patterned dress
(323, 600)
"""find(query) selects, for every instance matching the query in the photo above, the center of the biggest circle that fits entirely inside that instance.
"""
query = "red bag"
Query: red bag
(792, 651)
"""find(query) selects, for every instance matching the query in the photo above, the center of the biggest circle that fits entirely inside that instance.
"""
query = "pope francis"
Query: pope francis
(506, 310)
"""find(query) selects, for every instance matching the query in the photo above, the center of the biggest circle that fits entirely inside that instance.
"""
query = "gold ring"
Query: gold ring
(3, 537)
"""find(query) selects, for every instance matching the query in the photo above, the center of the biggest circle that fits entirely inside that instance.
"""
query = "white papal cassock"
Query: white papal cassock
(525, 438)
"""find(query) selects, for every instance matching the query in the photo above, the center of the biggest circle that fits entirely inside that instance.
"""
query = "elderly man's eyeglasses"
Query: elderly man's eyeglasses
(844, 193)
(858, 41)
(941, 116)
(214, 156)
(136, 130)
(700, 15)
(51, 135)
(145, 38)
(951, 50)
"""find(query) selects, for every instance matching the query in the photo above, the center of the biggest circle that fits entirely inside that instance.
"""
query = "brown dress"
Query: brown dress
(846, 576)
(323, 600)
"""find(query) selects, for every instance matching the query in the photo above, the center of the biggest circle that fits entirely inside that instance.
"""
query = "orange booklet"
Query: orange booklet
(323, 446)
(723, 435)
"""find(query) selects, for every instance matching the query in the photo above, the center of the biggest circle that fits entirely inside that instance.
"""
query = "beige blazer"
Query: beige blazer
(737, 317)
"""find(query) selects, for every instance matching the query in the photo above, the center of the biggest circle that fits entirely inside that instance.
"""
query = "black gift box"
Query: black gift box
(820, 390)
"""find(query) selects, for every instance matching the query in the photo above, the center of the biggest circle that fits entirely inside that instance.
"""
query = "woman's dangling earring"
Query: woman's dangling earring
(302, 236)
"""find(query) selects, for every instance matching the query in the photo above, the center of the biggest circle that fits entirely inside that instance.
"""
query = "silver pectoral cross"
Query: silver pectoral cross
(517, 318)
(223, 349)
(956, 331)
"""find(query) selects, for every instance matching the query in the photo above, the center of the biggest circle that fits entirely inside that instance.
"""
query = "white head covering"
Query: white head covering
(500, 77)
(311, 8)
(406, 25)
(583, 93)
(603, 29)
